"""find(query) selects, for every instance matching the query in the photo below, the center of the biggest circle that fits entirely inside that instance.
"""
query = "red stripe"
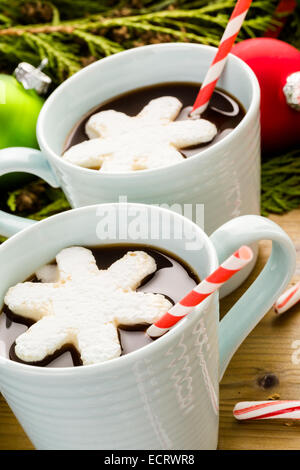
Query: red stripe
(276, 413)
(224, 48)
(221, 275)
(193, 298)
(167, 321)
(205, 94)
(259, 406)
(240, 7)
(287, 298)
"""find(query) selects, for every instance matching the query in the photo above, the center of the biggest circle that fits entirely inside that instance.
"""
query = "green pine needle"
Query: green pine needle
(98, 45)
(281, 183)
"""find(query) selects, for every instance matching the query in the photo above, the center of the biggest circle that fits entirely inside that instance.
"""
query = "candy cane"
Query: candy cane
(216, 68)
(232, 265)
(251, 410)
(283, 10)
(288, 299)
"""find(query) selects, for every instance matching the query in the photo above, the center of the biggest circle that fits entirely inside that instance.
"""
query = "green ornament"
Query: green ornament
(20, 104)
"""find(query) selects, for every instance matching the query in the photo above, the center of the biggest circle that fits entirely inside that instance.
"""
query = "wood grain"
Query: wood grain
(265, 354)
(264, 358)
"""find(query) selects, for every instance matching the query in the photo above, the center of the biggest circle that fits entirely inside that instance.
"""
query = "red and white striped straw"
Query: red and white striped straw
(216, 68)
(288, 299)
(252, 410)
(211, 284)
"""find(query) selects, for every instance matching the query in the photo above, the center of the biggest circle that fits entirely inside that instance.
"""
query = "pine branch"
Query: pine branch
(179, 35)
(98, 44)
(281, 183)
(4, 20)
(59, 57)
(74, 33)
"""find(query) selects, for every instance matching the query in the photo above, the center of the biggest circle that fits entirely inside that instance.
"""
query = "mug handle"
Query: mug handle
(29, 161)
(259, 298)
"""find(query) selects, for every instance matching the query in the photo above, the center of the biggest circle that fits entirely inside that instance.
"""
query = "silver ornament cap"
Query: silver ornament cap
(32, 78)
(291, 90)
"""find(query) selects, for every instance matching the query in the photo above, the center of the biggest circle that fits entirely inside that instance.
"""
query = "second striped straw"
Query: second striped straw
(211, 284)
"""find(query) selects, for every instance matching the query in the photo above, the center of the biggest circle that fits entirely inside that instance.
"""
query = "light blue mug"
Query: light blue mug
(225, 177)
(164, 395)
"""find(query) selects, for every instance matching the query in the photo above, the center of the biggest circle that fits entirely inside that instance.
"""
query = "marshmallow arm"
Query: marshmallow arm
(164, 109)
(76, 263)
(120, 163)
(129, 271)
(184, 134)
(30, 300)
(90, 153)
(152, 156)
(98, 343)
(42, 339)
(108, 123)
(140, 308)
(164, 155)
(47, 273)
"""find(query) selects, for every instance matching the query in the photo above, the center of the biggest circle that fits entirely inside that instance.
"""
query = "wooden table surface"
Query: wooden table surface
(261, 368)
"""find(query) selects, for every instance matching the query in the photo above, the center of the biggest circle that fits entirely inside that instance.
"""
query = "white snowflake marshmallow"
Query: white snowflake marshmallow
(121, 143)
(84, 306)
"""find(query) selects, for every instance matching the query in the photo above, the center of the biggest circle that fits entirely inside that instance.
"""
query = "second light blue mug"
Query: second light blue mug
(164, 395)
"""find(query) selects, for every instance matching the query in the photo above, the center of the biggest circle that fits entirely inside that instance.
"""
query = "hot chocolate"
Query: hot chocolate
(171, 278)
(150, 127)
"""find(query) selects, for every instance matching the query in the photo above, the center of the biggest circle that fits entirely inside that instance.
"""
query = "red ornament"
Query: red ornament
(273, 61)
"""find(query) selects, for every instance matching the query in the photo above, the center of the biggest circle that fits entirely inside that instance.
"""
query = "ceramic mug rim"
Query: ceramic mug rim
(80, 75)
(121, 360)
